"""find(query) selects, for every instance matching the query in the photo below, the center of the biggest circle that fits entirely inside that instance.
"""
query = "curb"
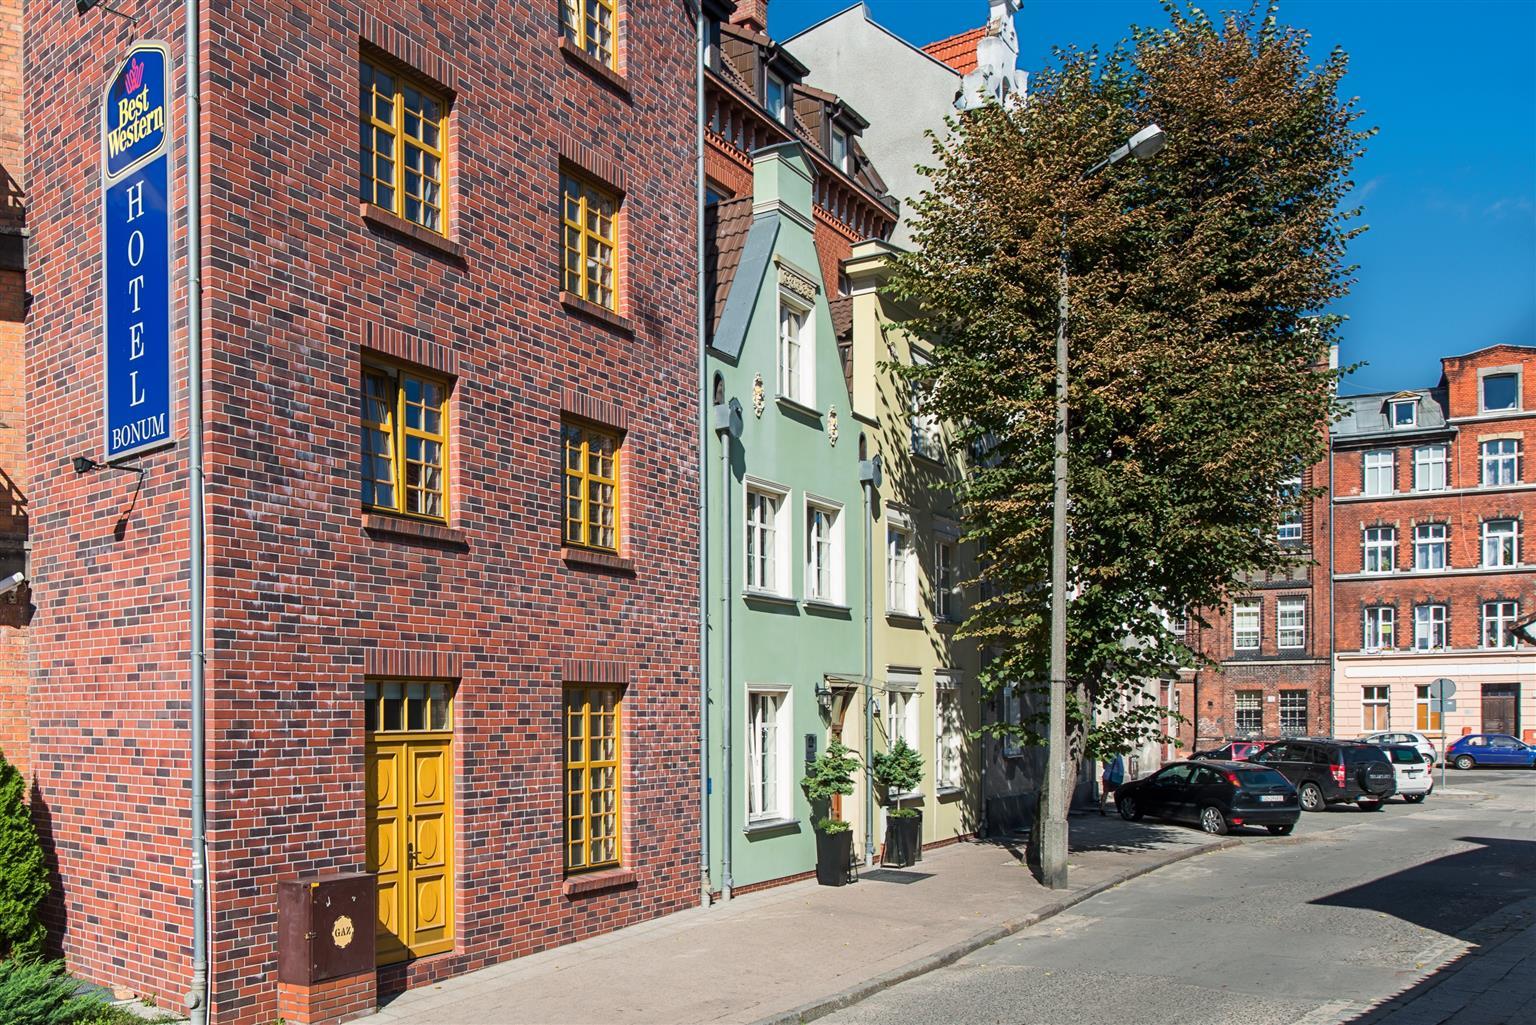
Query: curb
(949, 955)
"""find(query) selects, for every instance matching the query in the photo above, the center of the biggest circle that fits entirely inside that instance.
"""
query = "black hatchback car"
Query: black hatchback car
(1328, 772)
(1216, 795)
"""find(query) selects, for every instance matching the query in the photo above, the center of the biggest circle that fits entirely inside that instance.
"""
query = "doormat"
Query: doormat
(892, 875)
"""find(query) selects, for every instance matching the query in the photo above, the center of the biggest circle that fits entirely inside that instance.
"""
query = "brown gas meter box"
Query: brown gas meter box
(325, 927)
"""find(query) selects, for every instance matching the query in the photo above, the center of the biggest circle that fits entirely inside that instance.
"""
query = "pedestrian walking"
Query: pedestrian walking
(1114, 775)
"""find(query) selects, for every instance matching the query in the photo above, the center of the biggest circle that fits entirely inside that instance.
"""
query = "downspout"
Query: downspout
(703, 505)
(727, 685)
(869, 477)
(197, 998)
(1332, 618)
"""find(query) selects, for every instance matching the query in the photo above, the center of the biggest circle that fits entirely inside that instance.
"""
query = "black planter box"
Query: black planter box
(903, 841)
(834, 858)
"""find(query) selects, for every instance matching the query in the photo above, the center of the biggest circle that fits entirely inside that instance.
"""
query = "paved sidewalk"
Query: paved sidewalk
(799, 949)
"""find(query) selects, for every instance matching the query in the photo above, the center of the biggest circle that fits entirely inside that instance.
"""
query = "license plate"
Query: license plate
(1277, 798)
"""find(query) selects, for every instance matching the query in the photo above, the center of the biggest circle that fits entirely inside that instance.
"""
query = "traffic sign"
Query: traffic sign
(1442, 689)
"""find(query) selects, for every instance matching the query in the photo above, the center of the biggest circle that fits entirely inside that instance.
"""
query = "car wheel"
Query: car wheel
(1311, 797)
(1213, 821)
(1464, 762)
(1129, 809)
(1414, 798)
(1280, 830)
(1370, 805)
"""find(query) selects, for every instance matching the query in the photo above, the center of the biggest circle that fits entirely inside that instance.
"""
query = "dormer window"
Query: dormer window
(775, 97)
(841, 155)
(1501, 391)
(1405, 413)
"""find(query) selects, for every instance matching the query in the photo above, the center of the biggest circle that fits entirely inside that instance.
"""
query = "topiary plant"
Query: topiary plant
(23, 875)
(900, 771)
(828, 776)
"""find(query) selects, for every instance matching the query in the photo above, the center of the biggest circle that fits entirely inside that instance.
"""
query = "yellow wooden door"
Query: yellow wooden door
(410, 832)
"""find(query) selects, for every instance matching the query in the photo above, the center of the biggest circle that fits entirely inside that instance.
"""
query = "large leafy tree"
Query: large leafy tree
(1200, 378)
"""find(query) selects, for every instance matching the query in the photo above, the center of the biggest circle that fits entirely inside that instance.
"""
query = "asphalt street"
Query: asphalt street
(1412, 915)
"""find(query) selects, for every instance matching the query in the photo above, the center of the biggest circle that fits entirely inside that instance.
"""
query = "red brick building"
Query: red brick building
(1432, 490)
(451, 386)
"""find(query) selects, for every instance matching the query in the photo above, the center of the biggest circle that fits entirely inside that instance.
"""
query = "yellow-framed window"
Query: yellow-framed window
(404, 421)
(404, 147)
(407, 706)
(590, 26)
(593, 778)
(589, 217)
(591, 486)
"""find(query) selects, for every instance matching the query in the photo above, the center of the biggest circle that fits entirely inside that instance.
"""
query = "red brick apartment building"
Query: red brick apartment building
(450, 396)
(1432, 490)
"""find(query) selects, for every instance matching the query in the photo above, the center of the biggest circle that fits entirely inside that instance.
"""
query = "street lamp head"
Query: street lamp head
(1148, 142)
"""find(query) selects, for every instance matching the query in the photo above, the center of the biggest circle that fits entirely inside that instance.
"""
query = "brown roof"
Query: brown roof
(841, 308)
(726, 224)
(959, 52)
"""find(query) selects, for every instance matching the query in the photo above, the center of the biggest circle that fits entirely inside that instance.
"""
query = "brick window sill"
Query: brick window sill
(402, 526)
(591, 64)
(391, 221)
(575, 303)
(597, 882)
(602, 560)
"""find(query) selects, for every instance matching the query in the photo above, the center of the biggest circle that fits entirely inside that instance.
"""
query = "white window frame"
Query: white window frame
(1500, 543)
(1412, 405)
(761, 791)
(1378, 468)
(770, 80)
(1247, 621)
(1252, 703)
(1482, 388)
(842, 161)
(796, 350)
(779, 585)
(1379, 632)
(900, 565)
(1292, 633)
(1291, 707)
(948, 732)
(901, 711)
(1430, 547)
(1500, 616)
(1430, 464)
(1013, 715)
(1430, 624)
(944, 580)
(927, 438)
(1291, 517)
(835, 593)
(1375, 707)
(1380, 542)
(1500, 461)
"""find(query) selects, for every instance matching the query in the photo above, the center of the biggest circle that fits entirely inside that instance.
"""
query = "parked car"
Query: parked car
(1415, 776)
(1216, 795)
(1328, 772)
(1489, 749)
(1418, 740)
(1236, 751)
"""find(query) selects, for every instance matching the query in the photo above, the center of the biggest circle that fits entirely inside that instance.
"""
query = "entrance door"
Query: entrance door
(1501, 708)
(410, 816)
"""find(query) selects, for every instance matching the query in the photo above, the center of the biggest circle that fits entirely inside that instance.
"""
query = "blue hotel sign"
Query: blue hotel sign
(136, 258)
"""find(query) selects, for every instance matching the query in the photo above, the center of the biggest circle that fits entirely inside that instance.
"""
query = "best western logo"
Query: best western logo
(136, 120)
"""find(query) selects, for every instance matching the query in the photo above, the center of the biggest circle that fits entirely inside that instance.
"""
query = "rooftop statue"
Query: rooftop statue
(997, 78)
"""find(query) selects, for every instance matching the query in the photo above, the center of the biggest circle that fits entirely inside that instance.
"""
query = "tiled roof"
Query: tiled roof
(842, 315)
(725, 235)
(959, 52)
(1369, 415)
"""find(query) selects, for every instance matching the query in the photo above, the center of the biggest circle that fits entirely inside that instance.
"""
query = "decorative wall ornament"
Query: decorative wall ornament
(832, 425)
(797, 283)
(997, 78)
(759, 400)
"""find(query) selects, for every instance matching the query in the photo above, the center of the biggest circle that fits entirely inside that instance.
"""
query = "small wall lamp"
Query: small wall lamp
(82, 7)
(824, 695)
(85, 464)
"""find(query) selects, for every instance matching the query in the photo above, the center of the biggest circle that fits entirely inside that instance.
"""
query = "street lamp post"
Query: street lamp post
(1055, 788)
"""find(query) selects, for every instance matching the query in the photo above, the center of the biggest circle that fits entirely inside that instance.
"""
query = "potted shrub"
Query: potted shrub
(900, 771)
(832, 775)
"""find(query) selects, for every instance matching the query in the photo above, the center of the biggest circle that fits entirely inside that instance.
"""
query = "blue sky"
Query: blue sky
(1448, 185)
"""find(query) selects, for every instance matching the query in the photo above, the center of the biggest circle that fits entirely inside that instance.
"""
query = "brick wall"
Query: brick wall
(300, 590)
(16, 606)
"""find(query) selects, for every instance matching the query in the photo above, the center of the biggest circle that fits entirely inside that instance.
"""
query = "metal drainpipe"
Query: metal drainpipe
(869, 693)
(703, 505)
(727, 685)
(1332, 641)
(197, 998)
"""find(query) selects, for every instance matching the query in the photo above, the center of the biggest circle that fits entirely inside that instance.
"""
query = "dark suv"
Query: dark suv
(1328, 772)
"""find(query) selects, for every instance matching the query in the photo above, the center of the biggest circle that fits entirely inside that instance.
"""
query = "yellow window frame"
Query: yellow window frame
(576, 439)
(402, 146)
(587, 22)
(396, 425)
(589, 720)
(589, 217)
(431, 698)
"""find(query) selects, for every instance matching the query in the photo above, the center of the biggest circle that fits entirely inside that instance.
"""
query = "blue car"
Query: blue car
(1491, 749)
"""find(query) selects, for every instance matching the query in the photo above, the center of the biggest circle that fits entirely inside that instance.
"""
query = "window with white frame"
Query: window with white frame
(1290, 515)
(1429, 546)
(767, 537)
(1405, 412)
(1500, 543)
(797, 368)
(1379, 472)
(900, 566)
(1380, 622)
(1380, 549)
(1250, 712)
(1500, 392)
(1293, 713)
(823, 551)
(840, 153)
(1245, 625)
(1429, 633)
(948, 733)
(1498, 617)
(768, 761)
(901, 711)
(1291, 622)
(1013, 715)
(1427, 717)
(1501, 462)
(1429, 468)
(944, 581)
(927, 441)
(776, 97)
(1375, 708)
